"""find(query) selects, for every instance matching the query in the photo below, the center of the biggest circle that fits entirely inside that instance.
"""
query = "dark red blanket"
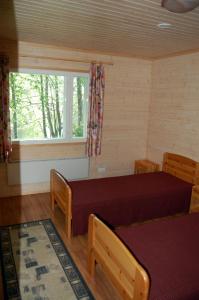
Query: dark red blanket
(168, 250)
(127, 199)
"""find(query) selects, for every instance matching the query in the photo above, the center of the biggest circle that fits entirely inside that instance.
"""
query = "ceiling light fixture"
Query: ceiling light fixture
(180, 6)
(164, 25)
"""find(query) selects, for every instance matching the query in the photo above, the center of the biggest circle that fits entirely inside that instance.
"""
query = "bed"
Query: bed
(157, 260)
(126, 199)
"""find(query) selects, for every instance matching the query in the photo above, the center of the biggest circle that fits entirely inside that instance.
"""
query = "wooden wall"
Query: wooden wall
(150, 108)
(174, 108)
(127, 99)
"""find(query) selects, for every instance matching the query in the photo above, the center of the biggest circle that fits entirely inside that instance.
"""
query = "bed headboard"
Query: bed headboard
(182, 167)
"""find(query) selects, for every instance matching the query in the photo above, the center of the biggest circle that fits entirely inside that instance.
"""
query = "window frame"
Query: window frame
(68, 107)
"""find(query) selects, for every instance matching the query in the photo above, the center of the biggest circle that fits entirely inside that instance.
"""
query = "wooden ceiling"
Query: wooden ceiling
(120, 27)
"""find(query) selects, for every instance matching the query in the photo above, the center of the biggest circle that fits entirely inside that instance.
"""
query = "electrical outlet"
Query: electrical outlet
(101, 169)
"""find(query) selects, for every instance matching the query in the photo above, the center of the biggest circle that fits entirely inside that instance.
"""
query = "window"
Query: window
(48, 105)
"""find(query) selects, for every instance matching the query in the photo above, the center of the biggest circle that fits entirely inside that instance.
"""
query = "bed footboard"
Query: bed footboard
(117, 262)
(61, 194)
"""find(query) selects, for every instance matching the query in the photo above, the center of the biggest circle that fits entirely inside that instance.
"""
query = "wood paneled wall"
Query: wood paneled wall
(150, 108)
(127, 99)
(174, 108)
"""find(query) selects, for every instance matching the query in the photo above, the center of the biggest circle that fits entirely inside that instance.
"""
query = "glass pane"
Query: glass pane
(36, 105)
(80, 99)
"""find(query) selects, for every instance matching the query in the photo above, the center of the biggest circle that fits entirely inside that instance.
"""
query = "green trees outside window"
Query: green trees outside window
(48, 106)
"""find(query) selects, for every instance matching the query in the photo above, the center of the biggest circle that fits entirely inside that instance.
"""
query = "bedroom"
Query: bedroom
(151, 94)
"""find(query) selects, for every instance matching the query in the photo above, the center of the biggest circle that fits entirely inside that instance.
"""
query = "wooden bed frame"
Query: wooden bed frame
(116, 260)
(177, 165)
(182, 167)
(61, 194)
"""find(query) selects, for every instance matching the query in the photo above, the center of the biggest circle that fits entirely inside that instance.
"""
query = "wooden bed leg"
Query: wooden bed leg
(52, 202)
(68, 227)
(52, 191)
(91, 263)
(68, 214)
(91, 256)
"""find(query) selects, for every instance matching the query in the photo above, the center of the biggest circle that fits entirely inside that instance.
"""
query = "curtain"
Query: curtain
(96, 105)
(5, 137)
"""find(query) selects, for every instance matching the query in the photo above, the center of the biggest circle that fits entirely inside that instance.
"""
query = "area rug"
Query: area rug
(37, 266)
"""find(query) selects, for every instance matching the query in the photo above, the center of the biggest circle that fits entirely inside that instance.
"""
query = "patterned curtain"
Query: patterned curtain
(96, 104)
(5, 137)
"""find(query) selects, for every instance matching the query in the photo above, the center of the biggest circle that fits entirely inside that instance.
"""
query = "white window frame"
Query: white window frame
(68, 107)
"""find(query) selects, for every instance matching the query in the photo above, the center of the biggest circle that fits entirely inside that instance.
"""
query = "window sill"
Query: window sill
(48, 142)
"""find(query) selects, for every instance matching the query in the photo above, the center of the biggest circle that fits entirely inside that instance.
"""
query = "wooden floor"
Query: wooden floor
(37, 207)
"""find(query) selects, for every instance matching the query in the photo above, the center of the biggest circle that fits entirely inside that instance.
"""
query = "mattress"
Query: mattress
(127, 199)
(168, 250)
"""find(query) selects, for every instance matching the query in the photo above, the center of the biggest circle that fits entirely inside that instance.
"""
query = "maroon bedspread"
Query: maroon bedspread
(168, 250)
(127, 199)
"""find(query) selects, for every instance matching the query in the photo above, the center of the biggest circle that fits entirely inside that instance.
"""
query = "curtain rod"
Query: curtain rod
(64, 69)
(69, 59)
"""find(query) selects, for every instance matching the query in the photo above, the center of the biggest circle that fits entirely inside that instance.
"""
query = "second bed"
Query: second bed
(126, 199)
(152, 261)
